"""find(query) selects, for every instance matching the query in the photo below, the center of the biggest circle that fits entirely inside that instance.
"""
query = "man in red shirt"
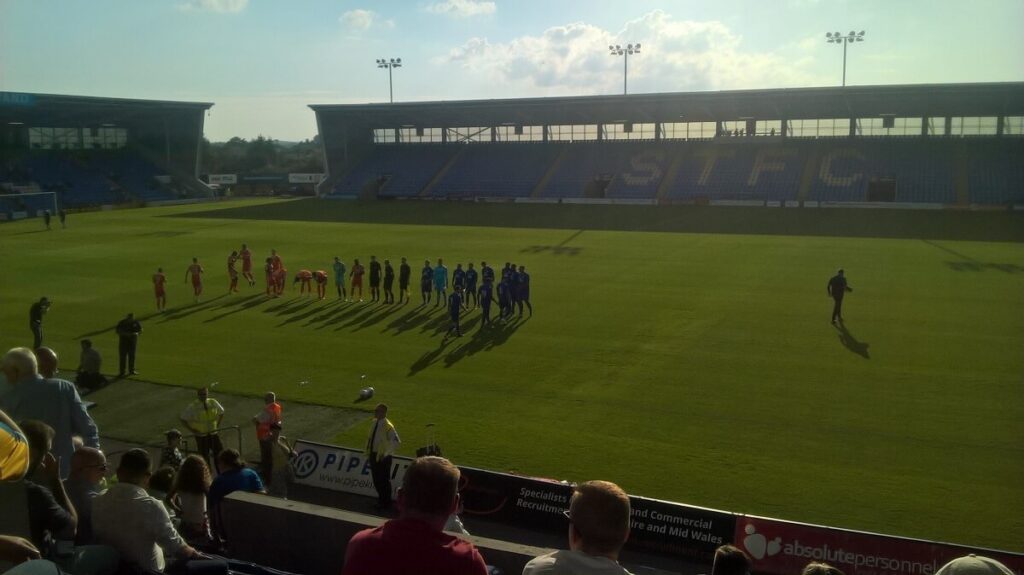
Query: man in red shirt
(415, 543)
(268, 269)
(321, 283)
(232, 272)
(159, 279)
(196, 272)
(357, 279)
(306, 277)
(246, 256)
(279, 272)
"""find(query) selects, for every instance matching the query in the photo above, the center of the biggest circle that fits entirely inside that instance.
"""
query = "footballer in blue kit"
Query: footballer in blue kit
(459, 277)
(487, 273)
(486, 296)
(471, 284)
(426, 280)
(455, 308)
(523, 291)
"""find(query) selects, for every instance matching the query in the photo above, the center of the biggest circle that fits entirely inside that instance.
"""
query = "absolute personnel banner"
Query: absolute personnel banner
(783, 548)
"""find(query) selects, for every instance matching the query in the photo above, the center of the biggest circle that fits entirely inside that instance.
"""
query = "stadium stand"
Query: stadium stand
(498, 170)
(399, 170)
(996, 172)
(97, 151)
(946, 144)
(921, 170)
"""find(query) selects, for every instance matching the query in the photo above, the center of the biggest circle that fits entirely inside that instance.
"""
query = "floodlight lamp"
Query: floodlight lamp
(612, 48)
(861, 33)
(629, 46)
(399, 61)
(638, 47)
(828, 34)
(836, 34)
(853, 33)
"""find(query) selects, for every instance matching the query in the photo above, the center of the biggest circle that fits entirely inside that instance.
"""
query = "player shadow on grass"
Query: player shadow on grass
(334, 310)
(300, 316)
(851, 343)
(428, 358)
(242, 304)
(112, 327)
(484, 338)
(412, 319)
(381, 314)
(186, 310)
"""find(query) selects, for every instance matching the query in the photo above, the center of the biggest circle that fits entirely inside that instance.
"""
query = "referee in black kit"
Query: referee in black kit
(837, 288)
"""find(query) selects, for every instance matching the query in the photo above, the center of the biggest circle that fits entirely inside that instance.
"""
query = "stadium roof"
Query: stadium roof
(57, 110)
(924, 100)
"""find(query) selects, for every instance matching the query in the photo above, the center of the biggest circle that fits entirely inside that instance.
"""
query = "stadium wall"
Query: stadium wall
(683, 534)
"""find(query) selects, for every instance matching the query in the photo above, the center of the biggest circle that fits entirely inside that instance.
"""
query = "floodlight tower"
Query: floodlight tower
(837, 38)
(626, 52)
(390, 64)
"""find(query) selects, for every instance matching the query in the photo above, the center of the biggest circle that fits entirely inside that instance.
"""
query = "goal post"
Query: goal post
(27, 205)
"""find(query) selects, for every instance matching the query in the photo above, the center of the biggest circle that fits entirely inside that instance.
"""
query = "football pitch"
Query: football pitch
(693, 361)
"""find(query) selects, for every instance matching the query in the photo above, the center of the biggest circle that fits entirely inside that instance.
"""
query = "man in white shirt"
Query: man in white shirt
(137, 525)
(598, 528)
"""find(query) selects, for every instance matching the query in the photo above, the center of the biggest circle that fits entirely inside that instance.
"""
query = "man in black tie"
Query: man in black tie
(380, 446)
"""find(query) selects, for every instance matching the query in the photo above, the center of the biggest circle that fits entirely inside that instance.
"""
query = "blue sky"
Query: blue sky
(262, 61)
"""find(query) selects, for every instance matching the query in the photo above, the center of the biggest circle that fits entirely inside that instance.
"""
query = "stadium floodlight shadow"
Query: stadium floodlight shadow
(851, 343)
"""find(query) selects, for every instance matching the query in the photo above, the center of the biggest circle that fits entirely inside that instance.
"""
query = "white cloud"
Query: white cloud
(462, 8)
(360, 19)
(221, 6)
(677, 55)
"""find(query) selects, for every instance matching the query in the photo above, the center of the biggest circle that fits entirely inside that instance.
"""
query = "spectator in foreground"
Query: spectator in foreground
(820, 568)
(415, 543)
(171, 455)
(974, 565)
(730, 560)
(55, 402)
(88, 467)
(234, 476)
(89, 365)
(598, 528)
(161, 483)
(52, 517)
(136, 524)
(47, 359)
(188, 495)
(14, 453)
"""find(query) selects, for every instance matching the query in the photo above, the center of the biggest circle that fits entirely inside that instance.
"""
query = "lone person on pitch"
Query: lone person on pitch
(380, 446)
(837, 288)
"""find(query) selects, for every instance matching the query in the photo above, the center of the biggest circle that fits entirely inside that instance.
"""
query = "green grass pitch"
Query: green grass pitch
(698, 366)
